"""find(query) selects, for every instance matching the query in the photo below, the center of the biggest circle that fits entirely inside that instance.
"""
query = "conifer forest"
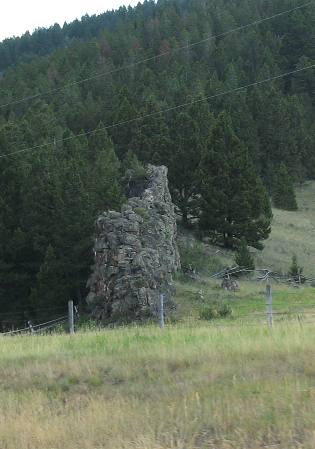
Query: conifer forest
(219, 91)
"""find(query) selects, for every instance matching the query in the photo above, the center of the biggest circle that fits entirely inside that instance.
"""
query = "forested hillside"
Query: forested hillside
(46, 40)
(80, 104)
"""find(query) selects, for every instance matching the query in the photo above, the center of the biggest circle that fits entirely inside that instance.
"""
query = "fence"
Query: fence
(271, 314)
(41, 328)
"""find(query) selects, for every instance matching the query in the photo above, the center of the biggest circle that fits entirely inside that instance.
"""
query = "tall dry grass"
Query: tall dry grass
(238, 387)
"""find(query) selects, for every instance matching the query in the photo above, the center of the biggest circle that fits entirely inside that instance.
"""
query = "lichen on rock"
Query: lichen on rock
(136, 254)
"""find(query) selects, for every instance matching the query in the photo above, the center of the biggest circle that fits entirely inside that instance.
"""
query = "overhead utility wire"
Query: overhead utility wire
(163, 111)
(160, 55)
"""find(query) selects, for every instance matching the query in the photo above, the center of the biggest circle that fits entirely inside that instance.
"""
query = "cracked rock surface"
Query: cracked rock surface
(136, 254)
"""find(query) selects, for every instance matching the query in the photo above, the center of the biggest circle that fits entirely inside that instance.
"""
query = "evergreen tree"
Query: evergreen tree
(16, 255)
(104, 181)
(50, 292)
(184, 161)
(234, 203)
(283, 194)
(243, 257)
(123, 135)
(151, 141)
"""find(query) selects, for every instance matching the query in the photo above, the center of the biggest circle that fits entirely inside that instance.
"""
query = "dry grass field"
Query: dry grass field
(241, 387)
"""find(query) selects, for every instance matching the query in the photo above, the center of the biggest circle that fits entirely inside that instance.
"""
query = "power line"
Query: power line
(160, 55)
(163, 111)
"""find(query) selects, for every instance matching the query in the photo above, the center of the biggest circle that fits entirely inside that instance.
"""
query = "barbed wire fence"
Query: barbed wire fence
(229, 275)
(42, 328)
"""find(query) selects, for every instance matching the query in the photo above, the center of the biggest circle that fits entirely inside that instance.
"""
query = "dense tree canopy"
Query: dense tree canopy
(219, 168)
(234, 202)
(283, 194)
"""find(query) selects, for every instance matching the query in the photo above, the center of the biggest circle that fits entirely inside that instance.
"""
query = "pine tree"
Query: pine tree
(184, 162)
(283, 194)
(151, 141)
(123, 135)
(16, 254)
(104, 181)
(234, 203)
(243, 257)
(49, 293)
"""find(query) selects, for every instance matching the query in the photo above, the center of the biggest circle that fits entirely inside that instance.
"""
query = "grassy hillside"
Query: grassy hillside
(201, 387)
(293, 232)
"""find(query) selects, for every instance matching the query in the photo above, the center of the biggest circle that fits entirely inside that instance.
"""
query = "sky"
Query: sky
(19, 16)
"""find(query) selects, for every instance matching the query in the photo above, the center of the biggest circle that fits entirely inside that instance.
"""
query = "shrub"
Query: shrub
(136, 176)
(295, 271)
(215, 311)
(134, 168)
(194, 255)
(141, 211)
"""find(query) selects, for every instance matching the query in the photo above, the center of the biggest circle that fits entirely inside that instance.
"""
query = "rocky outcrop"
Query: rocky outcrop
(136, 253)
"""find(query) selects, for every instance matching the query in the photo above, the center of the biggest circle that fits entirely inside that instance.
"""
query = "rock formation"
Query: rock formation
(136, 253)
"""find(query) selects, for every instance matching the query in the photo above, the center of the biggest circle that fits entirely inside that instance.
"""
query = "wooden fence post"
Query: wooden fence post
(30, 325)
(162, 322)
(71, 317)
(269, 304)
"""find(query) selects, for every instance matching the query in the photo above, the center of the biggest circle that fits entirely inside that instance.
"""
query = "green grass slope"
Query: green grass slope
(292, 233)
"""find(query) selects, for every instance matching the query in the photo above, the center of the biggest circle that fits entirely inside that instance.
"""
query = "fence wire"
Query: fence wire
(37, 328)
